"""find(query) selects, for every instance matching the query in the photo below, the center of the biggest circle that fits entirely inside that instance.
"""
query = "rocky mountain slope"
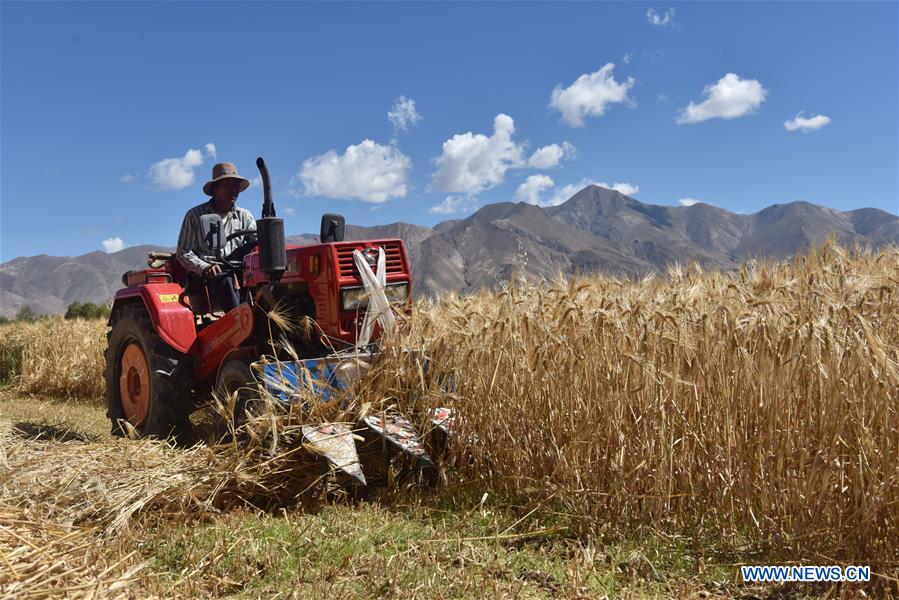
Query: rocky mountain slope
(596, 230)
(603, 230)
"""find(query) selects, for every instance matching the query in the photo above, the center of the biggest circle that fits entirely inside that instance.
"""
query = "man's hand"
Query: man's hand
(211, 271)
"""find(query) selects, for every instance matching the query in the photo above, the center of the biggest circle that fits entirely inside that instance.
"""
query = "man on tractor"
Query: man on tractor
(194, 252)
(168, 351)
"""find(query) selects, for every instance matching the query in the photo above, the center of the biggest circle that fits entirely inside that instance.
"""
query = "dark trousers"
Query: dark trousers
(221, 288)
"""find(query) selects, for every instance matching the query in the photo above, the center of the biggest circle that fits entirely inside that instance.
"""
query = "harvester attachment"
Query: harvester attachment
(390, 440)
(442, 423)
(443, 419)
(377, 444)
(297, 380)
(334, 441)
(399, 433)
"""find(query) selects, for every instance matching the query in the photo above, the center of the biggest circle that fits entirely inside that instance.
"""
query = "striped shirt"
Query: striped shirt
(192, 248)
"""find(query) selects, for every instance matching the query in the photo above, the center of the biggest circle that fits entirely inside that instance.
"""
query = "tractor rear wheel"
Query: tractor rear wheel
(148, 383)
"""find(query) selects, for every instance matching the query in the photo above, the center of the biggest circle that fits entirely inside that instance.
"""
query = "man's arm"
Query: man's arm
(187, 242)
(249, 221)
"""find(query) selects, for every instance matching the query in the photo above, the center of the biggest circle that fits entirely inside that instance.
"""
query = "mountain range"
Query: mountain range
(597, 229)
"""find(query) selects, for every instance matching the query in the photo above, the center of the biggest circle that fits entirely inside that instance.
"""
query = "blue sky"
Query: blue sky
(113, 113)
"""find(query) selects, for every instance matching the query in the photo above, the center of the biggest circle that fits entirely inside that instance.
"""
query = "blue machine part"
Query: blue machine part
(322, 376)
(284, 379)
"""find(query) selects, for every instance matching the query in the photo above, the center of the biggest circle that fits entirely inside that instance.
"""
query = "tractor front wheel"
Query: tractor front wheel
(148, 383)
(236, 389)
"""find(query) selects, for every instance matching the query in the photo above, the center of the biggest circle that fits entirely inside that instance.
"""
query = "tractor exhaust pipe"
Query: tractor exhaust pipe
(270, 232)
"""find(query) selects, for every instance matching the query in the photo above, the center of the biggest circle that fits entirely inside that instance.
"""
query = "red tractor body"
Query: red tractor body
(327, 271)
(317, 277)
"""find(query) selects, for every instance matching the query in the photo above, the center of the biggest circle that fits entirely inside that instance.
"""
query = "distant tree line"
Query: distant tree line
(25, 314)
(87, 310)
(76, 310)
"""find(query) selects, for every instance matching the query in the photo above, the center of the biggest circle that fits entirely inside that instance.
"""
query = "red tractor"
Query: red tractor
(169, 349)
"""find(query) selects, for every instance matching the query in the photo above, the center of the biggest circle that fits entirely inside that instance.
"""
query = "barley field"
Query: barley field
(691, 423)
(54, 357)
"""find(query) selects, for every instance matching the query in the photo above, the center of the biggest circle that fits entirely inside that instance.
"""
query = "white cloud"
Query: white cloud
(126, 178)
(565, 193)
(550, 156)
(113, 245)
(688, 201)
(403, 114)
(368, 171)
(623, 187)
(729, 98)
(806, 124)
(290, 211)
(589, 95)
(210, 150)
(454, 204)
(660, 21)
(626, 59)
(533, 186)
(256, 181)
(471, 163)
(175, 173)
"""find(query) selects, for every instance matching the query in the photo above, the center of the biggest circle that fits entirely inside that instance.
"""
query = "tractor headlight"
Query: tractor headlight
(353, 298)
(356, 298)
(397, 293)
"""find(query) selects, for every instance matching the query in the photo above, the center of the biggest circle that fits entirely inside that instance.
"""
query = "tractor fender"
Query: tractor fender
(171, 317)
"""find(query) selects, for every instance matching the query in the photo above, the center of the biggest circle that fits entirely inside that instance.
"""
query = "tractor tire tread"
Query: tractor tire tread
(170, 373)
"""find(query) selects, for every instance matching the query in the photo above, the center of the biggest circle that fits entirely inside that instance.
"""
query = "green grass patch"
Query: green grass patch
(369, 551)
(48, 418)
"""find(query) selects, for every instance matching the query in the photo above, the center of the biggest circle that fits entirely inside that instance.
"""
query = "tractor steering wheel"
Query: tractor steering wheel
(244, 249)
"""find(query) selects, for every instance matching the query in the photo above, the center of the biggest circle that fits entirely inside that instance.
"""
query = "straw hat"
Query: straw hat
(224, 171)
